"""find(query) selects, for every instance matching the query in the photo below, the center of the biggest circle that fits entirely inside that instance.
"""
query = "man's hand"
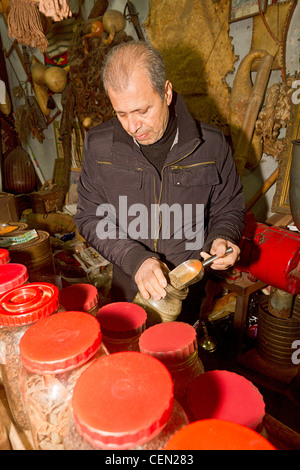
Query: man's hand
(218, 247)
(151, 280)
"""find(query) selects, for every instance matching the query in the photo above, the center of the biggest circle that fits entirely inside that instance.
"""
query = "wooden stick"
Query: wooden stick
(265, 187)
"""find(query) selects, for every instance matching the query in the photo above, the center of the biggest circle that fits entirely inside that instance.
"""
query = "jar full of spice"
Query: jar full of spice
(54, 353)
(20, 308)
(130, 406)
(175, 345)
(122, 324)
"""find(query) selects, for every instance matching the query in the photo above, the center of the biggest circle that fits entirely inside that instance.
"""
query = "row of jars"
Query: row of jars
(68, 398)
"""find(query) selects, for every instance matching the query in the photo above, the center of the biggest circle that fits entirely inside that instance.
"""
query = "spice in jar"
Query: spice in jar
(54, 352)
(130, 405)
(175, 344)
(19, 309)
(122, 324)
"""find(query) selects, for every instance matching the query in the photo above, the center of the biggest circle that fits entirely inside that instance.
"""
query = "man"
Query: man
(154, 156)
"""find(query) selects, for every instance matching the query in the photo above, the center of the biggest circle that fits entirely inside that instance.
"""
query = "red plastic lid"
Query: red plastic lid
(130, 398)
(12, 275)
(171, 341)
(122, 319)
(82, 297)
(213, 434)
(27, 304)
(224, 395)
(4, 256)
(60, 342)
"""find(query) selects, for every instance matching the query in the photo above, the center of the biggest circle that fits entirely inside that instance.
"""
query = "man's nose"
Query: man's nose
(134, 124)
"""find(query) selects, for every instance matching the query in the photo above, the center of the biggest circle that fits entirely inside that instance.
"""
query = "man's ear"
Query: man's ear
(169, 92)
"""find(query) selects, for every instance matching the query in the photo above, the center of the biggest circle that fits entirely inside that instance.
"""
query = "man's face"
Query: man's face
(140, 109)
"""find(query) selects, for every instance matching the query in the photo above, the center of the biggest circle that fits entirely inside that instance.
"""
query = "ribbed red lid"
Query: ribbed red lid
(12, 275)
(60, 342)
(213, 434)
(122, 319)
(225, 395)
(4, 256)
(122, 400)
(171, 341)
(27, 304)
(82, 297)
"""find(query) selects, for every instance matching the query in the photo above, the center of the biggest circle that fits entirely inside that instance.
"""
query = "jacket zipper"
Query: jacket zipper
(178, 167)
(161, 186)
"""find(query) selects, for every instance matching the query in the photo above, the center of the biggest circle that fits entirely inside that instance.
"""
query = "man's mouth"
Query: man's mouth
(142, 136)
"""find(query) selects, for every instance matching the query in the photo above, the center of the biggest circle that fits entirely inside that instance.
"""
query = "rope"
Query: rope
(24, 24)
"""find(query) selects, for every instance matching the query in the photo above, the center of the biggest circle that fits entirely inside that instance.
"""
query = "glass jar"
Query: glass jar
(130, 406)
(214, 434)
(20, 308)
(122, 324)
(4, 256)
(166, 309)
(175, 345)
(225, 395)
(80, 297)
(54, 353)
(12, 275)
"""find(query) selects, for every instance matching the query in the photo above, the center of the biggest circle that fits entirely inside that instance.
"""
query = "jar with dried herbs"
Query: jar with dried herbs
(54, 353)
(122, 324)
(19, 309)
(131, 405)
(175, 345)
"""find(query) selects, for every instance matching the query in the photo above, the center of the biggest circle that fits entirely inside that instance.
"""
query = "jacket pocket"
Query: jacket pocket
(199, 174)
(110, 175)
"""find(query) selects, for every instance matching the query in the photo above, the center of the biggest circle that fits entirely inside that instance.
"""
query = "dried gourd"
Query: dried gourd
(41, 94)
(113, 22)
(55, 79)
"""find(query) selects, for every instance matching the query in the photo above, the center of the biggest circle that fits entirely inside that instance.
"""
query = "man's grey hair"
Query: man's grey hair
(122, 60)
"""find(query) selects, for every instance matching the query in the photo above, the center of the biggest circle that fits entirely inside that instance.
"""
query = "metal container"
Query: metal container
(294, 189)
(35, 254)
(276, 335)
(272, 255)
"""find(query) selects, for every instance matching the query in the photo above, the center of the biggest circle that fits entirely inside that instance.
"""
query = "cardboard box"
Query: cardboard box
(8, 209)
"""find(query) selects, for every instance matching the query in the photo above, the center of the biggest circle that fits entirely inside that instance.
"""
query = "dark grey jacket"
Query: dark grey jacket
(199, 169)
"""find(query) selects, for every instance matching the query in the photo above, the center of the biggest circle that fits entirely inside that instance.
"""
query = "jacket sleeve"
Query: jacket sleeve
(126, 253)
(226, 214)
